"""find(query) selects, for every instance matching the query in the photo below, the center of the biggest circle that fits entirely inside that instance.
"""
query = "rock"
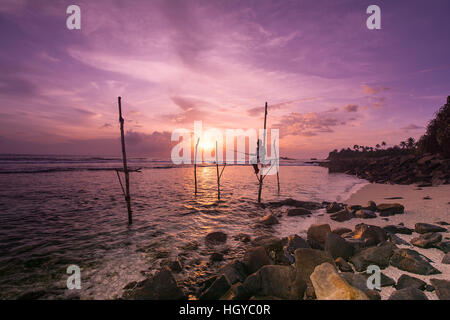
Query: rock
(334, 207)
(269, 220)
(446, 258)
(359, 281)
(215, 257)
(406, 281)
(236, 292)
(371, 235)
(390, 209)
(444, 246)
(398, 229)
(305, 262)
(296, 203)
(385, 281)
(234, 271)
(242, 237)
(255, 258)
(269, 243)
(365, 214)
(342, 216)
(276, 281)
(162, 286)
(427, 228)
(442, 288)
(379, 255)
(371, 205)
(397, 240)
(408, 294)
(216, 237)
(411, 261)
(328, 285)
(298, 212)
(318, 233)
(427, 240)
(353, 207)
(341, 231)
(175, 265)
(296, 242)
(342, 265)
(443, 223)
(218, 288)
(338, 247)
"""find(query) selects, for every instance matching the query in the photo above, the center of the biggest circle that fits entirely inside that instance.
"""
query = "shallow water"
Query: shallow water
(54, 219)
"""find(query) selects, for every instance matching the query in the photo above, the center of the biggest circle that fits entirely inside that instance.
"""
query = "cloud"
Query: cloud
(373, 90)
(351, 108)
(411, 127)
(256, 111)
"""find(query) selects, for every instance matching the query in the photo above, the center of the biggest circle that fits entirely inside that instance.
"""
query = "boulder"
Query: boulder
(359, 280)
(379, 255)
(218, 288)
(276, 281)
(234, 271)
(371, 235)
(175, 265)
(255, 258)
(269, 243)
(341, 231)
(269, 220)
(406, 281)
(298, 212)
(446, 258)
(217, 237)
(296, 242)
(408, 294)
(398, 229)
(342, 216)
(296, 203)
(411, 261)
(427, 228)
(328, 285)
(371, 205)
(162, 286)
(390, 209)
(427, 240)
(334, 207)
(342, 265)
(236, 292)
(365, 214)
(442, 288)
(338, 247)
(397, 240)
(318, 233)
(444, 246)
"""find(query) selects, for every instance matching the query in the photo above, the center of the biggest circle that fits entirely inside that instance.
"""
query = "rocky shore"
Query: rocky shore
(327, 263)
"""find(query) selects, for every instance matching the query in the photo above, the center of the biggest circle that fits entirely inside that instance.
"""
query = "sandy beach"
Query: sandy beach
(433, 210)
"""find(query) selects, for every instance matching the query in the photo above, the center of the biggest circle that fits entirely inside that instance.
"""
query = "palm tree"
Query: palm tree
(411, 143)
(383, 143)
(403, 144)
(356, 147)
(378, 146)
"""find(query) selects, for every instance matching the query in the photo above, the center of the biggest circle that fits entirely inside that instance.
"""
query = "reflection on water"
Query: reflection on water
(52, 220)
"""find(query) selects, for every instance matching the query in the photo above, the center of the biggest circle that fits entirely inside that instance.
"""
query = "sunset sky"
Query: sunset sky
(329, 81)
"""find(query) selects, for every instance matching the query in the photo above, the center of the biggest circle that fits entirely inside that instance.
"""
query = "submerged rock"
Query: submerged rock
(408, 294)
(427, 240)
(269, 220)
(427, 228)
(296, 203)
(298, 212)
(216, 237)
(411, 261)
(328, 285)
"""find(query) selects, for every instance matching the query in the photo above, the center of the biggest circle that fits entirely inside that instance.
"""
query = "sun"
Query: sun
(206, 145)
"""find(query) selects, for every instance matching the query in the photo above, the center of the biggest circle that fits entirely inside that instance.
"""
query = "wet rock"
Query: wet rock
(341, 231)
(175, 265)
(371, 205)
(338, 247)
(411, 261)
(446, 258)
(298, 212)
(236, 292)
(406, 281)
(162, 286)
(427, 228)
(342, 265)
(328, 285)
(427, 240)
(371, 235)
(365, 214)
(334, 207)
(390, 209)
(398, 229)
(216, 237)
(215, 257)
(408, 294)
(379, 255)
(255, 258)
(242, 237)
(318, 233)
(354, 207)
(296, 242)
(296, 203)
(444, 246)
(218, 288)
(269, 220)
(342, 216)
(276, 281)
(442, 288)
(359, 281)
(269, 243)
(234, 271)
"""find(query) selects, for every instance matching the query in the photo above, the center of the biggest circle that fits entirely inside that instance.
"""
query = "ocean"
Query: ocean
(56, 211)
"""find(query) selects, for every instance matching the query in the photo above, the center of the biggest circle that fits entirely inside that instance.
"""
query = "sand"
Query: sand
(416, 210)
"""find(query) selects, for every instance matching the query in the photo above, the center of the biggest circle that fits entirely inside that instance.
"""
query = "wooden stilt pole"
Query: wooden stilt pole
(218, 176)
(125, 167)
(278, 165)
(258, 151)
(195, 165)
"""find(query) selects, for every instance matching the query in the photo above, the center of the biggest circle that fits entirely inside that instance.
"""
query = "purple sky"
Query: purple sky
(329, 81)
